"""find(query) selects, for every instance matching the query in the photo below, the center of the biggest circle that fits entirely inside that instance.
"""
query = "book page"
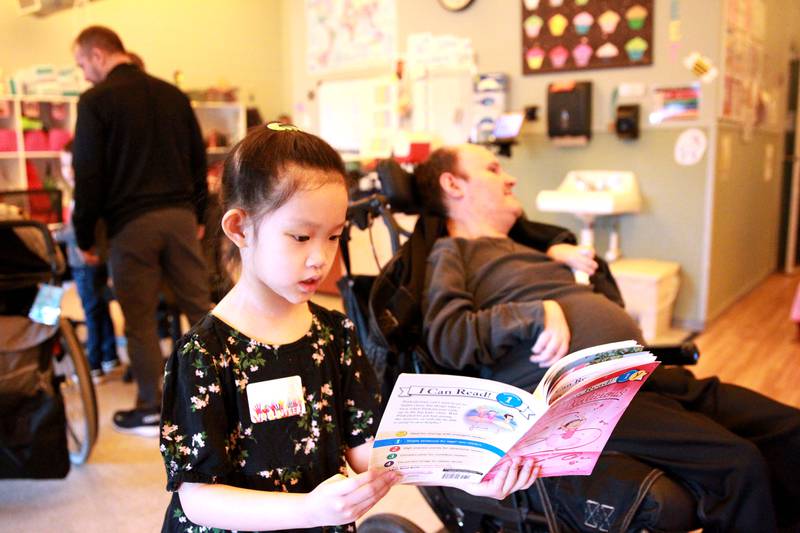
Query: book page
(450, 430)
(582, 358)
(584, 374)
(569, 437)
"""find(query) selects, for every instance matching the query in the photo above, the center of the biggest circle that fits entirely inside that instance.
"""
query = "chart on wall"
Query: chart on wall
(562, 35)
(350, 34)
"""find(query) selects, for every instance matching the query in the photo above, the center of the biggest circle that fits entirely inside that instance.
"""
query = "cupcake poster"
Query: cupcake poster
(562, 35)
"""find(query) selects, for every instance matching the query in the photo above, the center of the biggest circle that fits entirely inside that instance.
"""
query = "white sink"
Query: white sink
(588, 194)
(593, 192)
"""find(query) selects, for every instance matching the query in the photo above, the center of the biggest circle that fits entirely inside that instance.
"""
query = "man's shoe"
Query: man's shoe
(98, 376)
(111, 366)
(142, 422)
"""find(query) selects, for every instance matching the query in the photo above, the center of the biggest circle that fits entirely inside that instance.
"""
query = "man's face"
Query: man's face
(90, 61)
(488, 189)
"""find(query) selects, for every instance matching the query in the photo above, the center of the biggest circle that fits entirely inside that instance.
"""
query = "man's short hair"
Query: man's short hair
(100, 37)
(427, 175)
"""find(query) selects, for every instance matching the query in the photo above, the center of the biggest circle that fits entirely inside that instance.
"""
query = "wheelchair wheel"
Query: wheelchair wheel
(388, 523)
(77, 388)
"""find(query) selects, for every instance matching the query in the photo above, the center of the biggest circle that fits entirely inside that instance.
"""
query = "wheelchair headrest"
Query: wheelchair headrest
(399, 186)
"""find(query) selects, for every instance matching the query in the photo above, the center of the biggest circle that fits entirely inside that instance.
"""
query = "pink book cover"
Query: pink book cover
(568, 438)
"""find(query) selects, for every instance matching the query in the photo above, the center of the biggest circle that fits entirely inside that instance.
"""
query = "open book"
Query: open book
(450, 430)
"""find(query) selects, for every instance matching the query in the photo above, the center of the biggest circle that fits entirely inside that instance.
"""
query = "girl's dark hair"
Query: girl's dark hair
(254, 178)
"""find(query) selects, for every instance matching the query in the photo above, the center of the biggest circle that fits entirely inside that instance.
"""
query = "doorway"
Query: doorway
(789, 240)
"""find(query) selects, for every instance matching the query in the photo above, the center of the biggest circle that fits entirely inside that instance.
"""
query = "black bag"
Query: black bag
(33, 437)
(33, 442)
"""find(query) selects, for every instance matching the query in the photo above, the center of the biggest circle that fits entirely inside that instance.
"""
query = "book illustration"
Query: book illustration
(451, 430)
(565, 435)
(487, 417)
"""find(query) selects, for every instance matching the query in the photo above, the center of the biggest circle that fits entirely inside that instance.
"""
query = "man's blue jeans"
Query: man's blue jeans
(92, 285)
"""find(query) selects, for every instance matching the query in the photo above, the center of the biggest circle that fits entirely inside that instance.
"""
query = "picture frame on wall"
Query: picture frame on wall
(560, 36)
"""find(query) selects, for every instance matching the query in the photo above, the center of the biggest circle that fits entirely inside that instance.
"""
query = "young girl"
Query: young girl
(269, 397)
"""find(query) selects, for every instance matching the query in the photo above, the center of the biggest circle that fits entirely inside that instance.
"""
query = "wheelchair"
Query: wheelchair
(388, 321)
(48, 407)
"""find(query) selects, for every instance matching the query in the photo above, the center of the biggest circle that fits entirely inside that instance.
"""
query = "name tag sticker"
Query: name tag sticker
(46, 308)
(276, 398)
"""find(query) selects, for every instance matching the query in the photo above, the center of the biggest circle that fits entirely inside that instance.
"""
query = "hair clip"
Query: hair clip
(279, 126)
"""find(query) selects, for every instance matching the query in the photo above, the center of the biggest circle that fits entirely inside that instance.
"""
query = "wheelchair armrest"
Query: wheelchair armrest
(685, 353)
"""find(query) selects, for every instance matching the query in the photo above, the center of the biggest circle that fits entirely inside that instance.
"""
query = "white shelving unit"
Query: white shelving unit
(56, 113)
(223, 123)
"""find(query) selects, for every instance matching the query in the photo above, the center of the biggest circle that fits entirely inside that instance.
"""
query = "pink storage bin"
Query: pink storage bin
(8, 140)
(35, 141)
(57, 138)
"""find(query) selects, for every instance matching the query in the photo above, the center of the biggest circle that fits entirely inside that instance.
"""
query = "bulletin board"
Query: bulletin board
(564, 35)
(345, 35)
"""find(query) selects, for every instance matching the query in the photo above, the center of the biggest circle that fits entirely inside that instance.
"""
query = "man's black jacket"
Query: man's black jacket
(137, 148)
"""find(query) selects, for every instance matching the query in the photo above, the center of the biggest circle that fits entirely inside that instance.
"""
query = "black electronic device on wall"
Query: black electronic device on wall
(627, 122)
(569, 111)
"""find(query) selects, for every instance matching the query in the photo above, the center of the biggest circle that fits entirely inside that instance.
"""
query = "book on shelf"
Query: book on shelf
(452, 430)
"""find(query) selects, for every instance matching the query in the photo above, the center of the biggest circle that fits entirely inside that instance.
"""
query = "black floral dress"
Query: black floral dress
(206, 431)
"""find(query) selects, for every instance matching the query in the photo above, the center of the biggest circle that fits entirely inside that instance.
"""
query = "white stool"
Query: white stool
(649, 288)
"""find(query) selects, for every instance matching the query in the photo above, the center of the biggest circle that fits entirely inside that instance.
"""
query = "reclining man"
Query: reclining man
(493, 303)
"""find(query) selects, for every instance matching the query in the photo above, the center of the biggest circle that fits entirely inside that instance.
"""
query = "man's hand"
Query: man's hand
(90, 256)
(340, 500)
(201, 231)
(514, 475)
(579, 258)
(553, 342)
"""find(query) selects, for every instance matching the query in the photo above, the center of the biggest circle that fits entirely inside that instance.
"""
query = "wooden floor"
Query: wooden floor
(754, 344)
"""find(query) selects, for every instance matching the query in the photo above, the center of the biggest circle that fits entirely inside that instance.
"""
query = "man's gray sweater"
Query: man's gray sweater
(482, 307)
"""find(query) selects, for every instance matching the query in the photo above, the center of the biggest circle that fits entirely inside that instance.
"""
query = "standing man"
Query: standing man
(140, 165)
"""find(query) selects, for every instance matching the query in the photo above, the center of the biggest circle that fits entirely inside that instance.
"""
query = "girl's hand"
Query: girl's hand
(579, 258)
(514, 475)
(340, 500)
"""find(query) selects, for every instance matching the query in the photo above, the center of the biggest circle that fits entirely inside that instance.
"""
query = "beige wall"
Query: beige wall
(673, 224)
(494, 28)
(747, 182)
(233, 42)
(746, 215)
